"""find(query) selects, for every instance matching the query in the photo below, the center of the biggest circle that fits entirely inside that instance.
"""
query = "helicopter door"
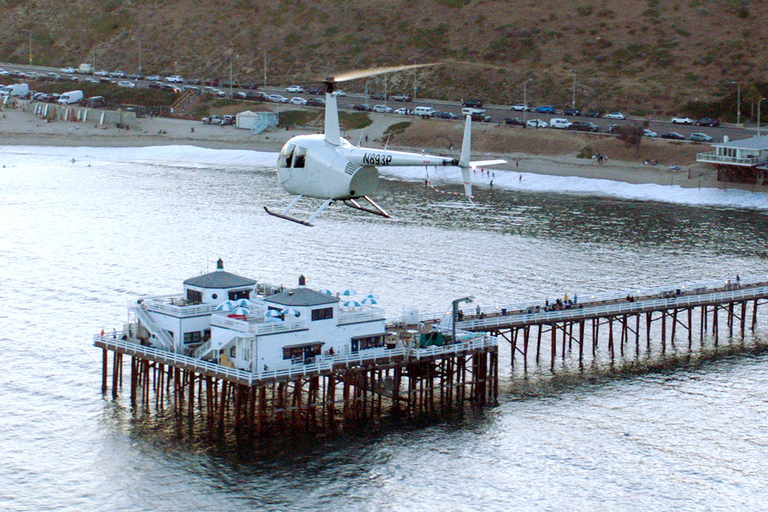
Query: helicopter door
(285, 163)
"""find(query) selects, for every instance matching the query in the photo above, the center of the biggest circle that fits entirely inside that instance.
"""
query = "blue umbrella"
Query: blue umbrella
(369, 300)
(241, 311)
(326, 291)
(273, 313)
(291, 312)
(349, 292)
(224, 306)
(352, 304)
(372, 296)
(244, 303)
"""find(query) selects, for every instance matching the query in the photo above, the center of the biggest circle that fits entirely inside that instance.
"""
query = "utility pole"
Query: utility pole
(139, 56)
(30, 47)
(265, 67)
(573, 100)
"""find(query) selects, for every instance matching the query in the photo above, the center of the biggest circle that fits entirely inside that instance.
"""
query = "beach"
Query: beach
(548, 152)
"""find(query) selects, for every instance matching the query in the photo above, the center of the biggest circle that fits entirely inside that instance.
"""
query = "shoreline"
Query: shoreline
(22, 128)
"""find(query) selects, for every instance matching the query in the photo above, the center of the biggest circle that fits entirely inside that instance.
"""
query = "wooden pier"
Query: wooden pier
(630, 328)
(325, 396)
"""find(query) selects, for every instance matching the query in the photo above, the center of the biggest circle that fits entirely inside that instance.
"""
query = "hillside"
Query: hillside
(645, 57)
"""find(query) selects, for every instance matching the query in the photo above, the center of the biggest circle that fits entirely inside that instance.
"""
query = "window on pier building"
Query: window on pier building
(193, 337)
(366, 342)
(194, 296)
(322, 314)
(240, 294)
(302, 353)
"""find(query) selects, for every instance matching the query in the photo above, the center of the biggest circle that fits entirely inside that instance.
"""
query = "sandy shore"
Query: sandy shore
(19, 127)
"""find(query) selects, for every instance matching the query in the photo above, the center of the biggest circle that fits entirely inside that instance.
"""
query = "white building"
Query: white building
(744, 160)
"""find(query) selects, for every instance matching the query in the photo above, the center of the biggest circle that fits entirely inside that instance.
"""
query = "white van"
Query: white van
(424, 111)
(471, 111)
(14, 90)
(71, 97)
(560, 123)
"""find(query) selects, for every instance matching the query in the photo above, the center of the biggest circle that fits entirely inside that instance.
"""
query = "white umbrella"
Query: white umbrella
(326, 291)
(224, 306)
(369, 300)
(372, 296)
(349, 292)
(244, 303)
(273, 313)
(241, 311)
(290, 312)
(351, 304)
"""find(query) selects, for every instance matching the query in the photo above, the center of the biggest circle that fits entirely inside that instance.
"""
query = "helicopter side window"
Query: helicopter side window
(286, 156)
(300, 157)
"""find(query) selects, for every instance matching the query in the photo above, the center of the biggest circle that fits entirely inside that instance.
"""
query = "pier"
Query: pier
(422, 365)
(630, 326)
(322, 396)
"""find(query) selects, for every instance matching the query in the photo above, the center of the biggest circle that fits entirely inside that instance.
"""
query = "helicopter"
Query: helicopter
(327, 166)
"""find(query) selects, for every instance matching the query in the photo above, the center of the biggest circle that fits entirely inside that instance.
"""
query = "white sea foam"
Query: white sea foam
(192, 156)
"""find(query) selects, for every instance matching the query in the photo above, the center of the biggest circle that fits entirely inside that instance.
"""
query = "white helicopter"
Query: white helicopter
(327, 166)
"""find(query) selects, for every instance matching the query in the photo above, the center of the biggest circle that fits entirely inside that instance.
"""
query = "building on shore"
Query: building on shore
(741, 161)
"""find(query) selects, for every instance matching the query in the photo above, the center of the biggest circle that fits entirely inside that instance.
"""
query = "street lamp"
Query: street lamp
(455, 312)
(738, 101)
(573, 99)
(525, 98)
(758, 115)
(30, 47)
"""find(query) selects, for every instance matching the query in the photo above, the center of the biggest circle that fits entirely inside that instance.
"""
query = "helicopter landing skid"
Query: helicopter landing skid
(378, 209)
(284, 215)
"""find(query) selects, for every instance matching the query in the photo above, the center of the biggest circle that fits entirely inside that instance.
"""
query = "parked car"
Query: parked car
(361, 107)
(545, 109)
(708, 121)
(682, 120)
(377, 96)
(127, 84)
(514, 121)
(615, 115)
(174, 79)
(650, 133)
(296, 100)
(401, 97)
(294, 89)
(584, 126)
(240, 95)
(117, 74)
(256, 96)
(536, 123)
(69, 70)
(171, 88)
(278, 98)
(212, 120)
(339, 92)
(316, 102)
(228, 120)
(446, 115)
(472, 103)
(521, 107)
(135, 77)
(592, 113)
(101, 72)
(153, 78)
(194, 81)
(700, 137)
(402, 111)
(314, 90)
(382, 109)
(210, 82)
(190, 88)
(571, 112)
(560, 123)
(672, 135)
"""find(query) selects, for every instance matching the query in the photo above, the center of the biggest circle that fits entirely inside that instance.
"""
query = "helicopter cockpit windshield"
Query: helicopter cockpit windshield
(293, 156)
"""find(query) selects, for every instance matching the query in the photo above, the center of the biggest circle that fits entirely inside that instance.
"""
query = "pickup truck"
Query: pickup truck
(212, 120)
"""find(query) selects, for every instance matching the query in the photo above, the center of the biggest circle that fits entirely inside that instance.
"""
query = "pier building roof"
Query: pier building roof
(299, 297)
(219, 279)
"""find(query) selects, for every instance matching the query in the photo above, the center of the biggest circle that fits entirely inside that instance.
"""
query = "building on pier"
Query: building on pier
(276, 351)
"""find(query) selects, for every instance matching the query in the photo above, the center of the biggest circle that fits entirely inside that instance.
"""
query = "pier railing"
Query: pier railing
(614, 308)
(599, 298)
(321, 364)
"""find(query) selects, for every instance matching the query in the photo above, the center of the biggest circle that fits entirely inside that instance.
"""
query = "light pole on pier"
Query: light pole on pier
(455, 312)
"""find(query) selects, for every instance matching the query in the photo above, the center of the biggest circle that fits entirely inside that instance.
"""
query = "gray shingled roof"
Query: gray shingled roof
(219, 279)
(760, 142)
(302, 297)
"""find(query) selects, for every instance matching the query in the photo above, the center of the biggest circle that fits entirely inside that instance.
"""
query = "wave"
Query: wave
(193, 156)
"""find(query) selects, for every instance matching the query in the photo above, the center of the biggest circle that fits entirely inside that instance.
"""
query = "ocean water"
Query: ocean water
(81, 238)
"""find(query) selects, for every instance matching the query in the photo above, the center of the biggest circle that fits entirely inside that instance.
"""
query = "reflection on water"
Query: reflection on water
(79, 242)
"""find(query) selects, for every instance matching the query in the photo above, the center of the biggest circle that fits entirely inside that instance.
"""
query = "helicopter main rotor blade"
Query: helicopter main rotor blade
(364, 73)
